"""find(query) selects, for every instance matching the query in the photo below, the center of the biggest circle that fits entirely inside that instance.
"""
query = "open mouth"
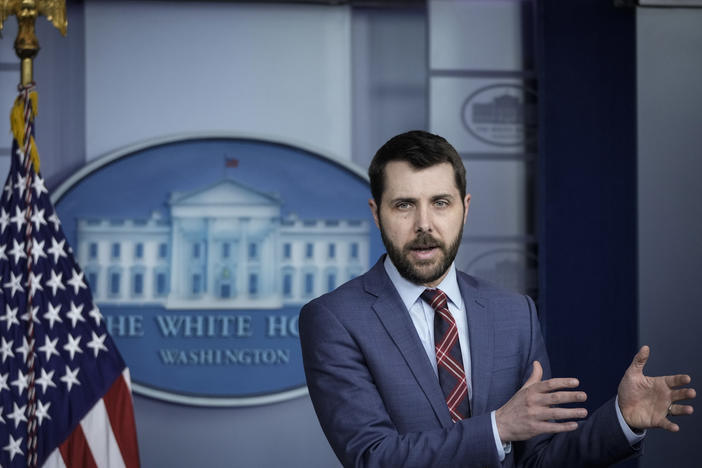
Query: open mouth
(424, 248)
(424, 252)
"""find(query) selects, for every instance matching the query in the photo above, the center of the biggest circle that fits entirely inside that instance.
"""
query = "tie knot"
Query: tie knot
(436, 298)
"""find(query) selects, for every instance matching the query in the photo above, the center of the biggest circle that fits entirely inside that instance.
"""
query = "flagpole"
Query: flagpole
(60, 401)
(22, 123)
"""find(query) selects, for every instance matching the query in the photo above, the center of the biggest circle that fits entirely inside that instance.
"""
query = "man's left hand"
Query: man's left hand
(646, 402)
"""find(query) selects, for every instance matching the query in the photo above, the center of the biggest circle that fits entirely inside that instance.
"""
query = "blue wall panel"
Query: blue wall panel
(587, 190)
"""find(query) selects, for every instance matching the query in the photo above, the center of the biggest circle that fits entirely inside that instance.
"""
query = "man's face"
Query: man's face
(421, 217)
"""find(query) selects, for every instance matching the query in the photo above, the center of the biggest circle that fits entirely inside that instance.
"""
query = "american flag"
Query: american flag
(83, 414)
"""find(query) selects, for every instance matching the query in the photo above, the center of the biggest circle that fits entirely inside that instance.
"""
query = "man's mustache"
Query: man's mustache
(424, 240)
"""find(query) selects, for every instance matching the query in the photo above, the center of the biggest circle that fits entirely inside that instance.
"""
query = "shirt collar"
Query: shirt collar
(409, 292)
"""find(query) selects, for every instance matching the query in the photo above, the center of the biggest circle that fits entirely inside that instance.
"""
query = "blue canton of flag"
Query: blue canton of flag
(82, 406)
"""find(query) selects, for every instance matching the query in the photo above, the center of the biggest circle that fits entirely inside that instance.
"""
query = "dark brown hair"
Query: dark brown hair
(421, 150)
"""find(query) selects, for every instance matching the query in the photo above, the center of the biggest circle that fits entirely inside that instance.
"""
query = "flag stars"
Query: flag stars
(77, 281)
(97, 343)
(24, 349)
(70, 378)
(52, 315)
(3, 381)
(17, 414)
(13, 447)
(75, 314)
(37, 250)
(35, 283)
(18, 218)
(96, 315)
(3, 255)
(4, 220)
(38, 219)
(17, 250)
(53, 219)
(55, 282)
(14, 283)
(26, 315)
(21, 383)
(6, 349)
(10, 316)
(21, 184)
(48, 348)
(38, 185)
(46, 380)
(57, 249)
(72, 346)
(42, 411)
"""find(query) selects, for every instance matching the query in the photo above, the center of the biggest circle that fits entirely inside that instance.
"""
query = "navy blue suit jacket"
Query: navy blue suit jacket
(378, 399)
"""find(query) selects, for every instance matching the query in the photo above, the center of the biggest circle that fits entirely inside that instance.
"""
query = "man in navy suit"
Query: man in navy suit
(416, 364)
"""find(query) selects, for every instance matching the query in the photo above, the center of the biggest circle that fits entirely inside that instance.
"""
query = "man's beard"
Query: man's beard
(414, 272)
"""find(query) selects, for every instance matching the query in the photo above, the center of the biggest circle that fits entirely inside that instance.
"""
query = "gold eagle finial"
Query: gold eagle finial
(26, 44)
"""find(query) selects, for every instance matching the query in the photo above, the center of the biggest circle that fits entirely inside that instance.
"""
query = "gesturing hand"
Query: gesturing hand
(647, 402)
(530, 411)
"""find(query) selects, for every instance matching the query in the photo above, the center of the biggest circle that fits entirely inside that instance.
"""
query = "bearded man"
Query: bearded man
(416, 364)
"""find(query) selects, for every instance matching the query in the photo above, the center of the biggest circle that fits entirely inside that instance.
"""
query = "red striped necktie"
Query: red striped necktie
(449, 360)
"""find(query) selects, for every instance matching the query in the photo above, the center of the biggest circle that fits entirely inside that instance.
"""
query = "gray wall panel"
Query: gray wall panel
(670, 212)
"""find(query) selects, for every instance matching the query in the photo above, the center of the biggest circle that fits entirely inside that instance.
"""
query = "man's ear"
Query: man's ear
(466, 204)
(374, 210)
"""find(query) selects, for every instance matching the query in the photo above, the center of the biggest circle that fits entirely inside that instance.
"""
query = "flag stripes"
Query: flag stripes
(102, 438)
(76, 450)
(118, 404)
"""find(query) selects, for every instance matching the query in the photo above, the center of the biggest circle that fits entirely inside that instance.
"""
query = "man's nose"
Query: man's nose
(423, 219)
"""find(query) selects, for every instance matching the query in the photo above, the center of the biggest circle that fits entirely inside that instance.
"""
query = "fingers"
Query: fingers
(681, 410)
(669, 426)
(536, 374)
(555, 414)
(551, 385)
(677, 380)
(675, 410)
(534, 409)
(683, 394)
(553, 428)
(559, 398)
(641, 357)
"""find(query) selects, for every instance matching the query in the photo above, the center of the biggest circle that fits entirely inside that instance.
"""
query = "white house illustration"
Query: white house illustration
(224, 246)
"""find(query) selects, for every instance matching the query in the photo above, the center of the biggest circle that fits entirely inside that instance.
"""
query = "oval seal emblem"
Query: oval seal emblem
(501, 115)
(201, 251)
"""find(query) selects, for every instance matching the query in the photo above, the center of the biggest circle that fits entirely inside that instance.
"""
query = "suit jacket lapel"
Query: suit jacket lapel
(482, 342)
(396, 320)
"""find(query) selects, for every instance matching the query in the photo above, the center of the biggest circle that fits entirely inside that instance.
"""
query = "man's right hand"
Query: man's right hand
(533, 411)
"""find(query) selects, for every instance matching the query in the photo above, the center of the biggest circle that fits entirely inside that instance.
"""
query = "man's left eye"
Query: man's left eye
(441, 203)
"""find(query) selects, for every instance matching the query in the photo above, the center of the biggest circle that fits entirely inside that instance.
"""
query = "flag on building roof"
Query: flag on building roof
(65, 397)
